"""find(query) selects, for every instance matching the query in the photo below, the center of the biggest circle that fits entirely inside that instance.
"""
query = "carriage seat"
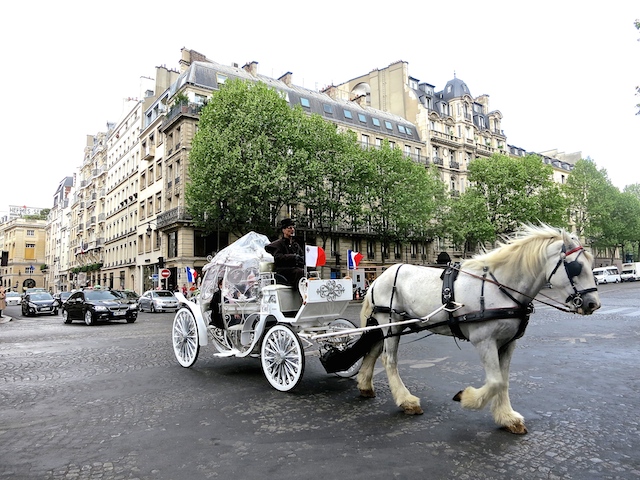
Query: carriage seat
(267, 272)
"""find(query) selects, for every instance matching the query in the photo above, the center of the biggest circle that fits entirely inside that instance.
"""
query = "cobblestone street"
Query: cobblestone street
(111, 402)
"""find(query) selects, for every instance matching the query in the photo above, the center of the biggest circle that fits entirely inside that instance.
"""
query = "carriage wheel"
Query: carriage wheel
(186, 344)
(342, 343)
(282, 357)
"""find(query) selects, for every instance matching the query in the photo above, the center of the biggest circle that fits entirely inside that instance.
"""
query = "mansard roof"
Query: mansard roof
(455, 88)
(205, 75)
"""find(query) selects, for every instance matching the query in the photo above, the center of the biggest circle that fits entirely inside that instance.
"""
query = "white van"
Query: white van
(607, 274)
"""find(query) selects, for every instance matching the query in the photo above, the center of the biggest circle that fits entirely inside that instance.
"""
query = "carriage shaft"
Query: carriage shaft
(353, 331)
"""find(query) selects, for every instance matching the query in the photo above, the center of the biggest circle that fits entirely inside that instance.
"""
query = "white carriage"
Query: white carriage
(258, 317)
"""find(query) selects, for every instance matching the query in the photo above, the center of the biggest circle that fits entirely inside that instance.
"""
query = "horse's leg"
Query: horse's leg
(477, 398)
(365, 374)
(503, 414)
(403, 398)
(496, 367)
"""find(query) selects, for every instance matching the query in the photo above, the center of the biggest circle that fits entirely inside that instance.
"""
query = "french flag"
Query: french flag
(314, 256)
(353, 259)
(191, 274)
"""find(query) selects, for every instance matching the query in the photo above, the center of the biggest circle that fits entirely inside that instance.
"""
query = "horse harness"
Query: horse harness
(521, 311)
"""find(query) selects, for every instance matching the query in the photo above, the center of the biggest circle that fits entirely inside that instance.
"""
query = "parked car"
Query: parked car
(607, 274)
(158, 301)
(61, 297)
(13, 298)
(38, 303)
(129, 295)
(98, 305)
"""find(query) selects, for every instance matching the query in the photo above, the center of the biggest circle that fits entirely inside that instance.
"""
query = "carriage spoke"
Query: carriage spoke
(185, 338)
(282, 357)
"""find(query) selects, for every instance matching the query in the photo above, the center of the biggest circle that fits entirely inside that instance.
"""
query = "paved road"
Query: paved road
(111, 402)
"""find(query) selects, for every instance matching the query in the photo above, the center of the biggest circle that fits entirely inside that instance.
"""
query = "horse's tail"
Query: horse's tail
(367, 308)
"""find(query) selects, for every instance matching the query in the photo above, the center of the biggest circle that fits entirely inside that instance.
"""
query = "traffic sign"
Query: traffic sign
(154, 277)
(165, 273)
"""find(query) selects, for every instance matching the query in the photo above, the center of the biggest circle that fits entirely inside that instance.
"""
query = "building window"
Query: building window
(362, 118)
(397, 250)
(365, 139)
(327, 108)
(31, 233)
(221, 78)
(375, 121)
(408, 131)
(388, 125)
(305, 102)
(30, 251)
(371, 249)
(418, 154)
(348, 114)
(401, 129)
(378, 142)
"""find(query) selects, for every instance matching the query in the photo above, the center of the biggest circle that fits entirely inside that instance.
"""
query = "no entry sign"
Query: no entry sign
(165, 273)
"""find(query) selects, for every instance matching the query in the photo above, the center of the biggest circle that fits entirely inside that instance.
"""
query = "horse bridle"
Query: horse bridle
(573, 269)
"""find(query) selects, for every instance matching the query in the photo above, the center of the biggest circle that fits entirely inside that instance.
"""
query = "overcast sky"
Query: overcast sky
(562, 73)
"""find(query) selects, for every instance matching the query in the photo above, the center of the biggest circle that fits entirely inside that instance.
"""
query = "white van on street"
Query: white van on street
(607, 274)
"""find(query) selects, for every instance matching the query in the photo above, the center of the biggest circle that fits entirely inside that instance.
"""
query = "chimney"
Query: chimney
(361, 100)
(331, 90)
(286, 78)
(251, 68)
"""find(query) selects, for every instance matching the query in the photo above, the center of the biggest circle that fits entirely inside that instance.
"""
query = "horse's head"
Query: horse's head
(569, 270)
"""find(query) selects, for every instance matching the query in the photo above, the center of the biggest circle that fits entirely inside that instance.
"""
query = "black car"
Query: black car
(39, 303)
(61, 297)
(98, 305)
(129, 295)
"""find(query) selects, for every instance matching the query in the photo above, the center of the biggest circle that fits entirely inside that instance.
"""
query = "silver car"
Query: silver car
(158, 301)
(13, 298)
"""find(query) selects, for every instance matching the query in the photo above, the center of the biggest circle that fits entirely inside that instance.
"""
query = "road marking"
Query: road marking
(613, 310)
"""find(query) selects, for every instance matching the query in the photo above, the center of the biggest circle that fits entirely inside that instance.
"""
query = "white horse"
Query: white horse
(495, 290)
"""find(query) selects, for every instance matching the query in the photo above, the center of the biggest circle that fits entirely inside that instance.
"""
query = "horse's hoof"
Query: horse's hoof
(412, 409)
(517, 429)
(367, 393)
(458, 396)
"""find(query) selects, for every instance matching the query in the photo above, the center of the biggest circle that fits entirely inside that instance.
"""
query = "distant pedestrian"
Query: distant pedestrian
(3, 300)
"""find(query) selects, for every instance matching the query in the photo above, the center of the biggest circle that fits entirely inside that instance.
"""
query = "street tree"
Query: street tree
(514, 191)
(243, 159)
(402, 197)
(467, 222)
(591, 200)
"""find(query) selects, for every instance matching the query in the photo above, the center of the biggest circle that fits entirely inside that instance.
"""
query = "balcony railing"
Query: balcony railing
(175, 215)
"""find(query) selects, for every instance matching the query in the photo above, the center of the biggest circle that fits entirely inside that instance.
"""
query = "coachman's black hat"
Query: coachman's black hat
(286, 222)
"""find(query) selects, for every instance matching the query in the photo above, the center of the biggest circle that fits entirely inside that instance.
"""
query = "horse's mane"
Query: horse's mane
(527, 245)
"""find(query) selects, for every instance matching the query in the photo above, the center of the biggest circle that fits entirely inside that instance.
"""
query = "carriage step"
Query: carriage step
(235, 327)
(227, 353)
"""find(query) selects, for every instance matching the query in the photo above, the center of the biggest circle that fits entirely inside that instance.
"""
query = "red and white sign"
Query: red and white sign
(165, 273)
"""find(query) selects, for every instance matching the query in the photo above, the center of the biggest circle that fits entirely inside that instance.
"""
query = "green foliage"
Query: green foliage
(253, 155)
(401, 197)
(243, 159)
(591, 198)
(507, 192)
